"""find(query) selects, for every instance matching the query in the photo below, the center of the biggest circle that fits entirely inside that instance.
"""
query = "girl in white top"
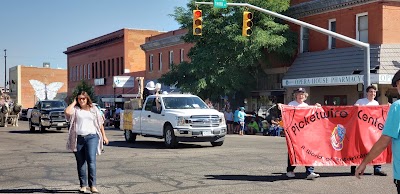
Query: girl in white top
(85, 138)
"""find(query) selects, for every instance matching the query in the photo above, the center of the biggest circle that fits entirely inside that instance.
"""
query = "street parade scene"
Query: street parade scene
(213, 96)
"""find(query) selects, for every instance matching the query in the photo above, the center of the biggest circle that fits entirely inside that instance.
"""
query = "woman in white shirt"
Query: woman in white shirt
(300, 95)
(86, 137)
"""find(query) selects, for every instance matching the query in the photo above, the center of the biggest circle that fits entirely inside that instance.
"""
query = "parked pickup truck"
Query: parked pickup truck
(176, 118)
(48, 114)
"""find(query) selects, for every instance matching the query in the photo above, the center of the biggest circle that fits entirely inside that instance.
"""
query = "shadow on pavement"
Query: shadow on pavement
(274, 177)
(38, 131)
(335, 174)
(248, 178)
(112, 129)
(151, 145)
(37, 191)
(55, 152)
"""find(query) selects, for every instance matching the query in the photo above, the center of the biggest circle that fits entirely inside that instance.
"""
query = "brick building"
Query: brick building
(168, 49)
(21, 91)
(100, 60)
(331, 69)
(163, 51)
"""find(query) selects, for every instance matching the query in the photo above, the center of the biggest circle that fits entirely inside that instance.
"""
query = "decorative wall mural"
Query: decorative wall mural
(45, 92)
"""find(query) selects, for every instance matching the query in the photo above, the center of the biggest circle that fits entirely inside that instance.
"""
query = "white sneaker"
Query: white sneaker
(82, 190)
(290, 174)
(312, 176)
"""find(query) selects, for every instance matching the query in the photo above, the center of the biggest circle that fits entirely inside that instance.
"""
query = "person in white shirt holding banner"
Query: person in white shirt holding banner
(300, 95)
(369, 101)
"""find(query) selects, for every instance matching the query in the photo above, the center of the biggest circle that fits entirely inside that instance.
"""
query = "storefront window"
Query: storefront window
(335, 100)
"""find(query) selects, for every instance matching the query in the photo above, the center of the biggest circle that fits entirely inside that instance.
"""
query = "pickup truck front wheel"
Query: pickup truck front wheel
(169, 137)
(31, 127)
(129, 136)
(213, 143)
(42, 128)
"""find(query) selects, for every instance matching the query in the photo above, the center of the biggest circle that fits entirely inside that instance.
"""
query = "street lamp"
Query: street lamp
(5, 69)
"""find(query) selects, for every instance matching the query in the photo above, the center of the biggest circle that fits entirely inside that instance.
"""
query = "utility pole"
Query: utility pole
(114, 86)
(5, 69)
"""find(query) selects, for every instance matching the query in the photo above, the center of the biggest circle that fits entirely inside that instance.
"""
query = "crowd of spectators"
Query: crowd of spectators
(253, 123)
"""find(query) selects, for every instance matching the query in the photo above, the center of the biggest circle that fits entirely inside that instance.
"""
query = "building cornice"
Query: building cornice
(94, 44)
(164, 42)
(322, 6)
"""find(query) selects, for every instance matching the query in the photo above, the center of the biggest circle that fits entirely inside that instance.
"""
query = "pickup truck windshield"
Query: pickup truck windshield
(53, 104)
(184, 103)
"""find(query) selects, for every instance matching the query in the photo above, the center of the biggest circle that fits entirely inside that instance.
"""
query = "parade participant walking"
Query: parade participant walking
(300, 95)
(86, 137)
(236, 124)
(369, 101)
(390, 134)
(241, 117)
(229, 120)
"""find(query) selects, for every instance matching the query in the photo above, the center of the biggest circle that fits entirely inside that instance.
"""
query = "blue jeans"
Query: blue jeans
(290, 168)
(86, 159)
(278, 131)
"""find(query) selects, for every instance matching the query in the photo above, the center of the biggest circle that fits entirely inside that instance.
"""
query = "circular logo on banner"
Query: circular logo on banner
(337, 137)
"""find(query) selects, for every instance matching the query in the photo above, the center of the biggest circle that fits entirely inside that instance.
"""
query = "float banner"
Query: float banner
(127, 118)
(334, 135)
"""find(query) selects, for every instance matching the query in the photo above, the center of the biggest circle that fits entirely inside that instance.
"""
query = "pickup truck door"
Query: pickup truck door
(157, 118)
(152, 120)
(147, 122)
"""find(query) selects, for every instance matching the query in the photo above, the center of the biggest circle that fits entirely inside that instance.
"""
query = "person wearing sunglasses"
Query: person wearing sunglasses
(85, 138)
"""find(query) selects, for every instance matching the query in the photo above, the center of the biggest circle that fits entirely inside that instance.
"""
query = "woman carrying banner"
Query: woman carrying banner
(300, 95)
(390, 134)
(369, 101)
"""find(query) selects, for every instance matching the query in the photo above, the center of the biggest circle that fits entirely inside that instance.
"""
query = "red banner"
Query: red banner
(334, 135)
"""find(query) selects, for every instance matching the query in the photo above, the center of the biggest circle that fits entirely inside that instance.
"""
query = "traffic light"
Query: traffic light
(197, 23)
(247, 23)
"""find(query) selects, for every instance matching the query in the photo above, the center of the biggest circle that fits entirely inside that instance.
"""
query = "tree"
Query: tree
(223, 62)
(83, 86)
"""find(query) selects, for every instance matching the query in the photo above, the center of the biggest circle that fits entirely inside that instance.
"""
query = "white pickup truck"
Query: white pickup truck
(177, 118)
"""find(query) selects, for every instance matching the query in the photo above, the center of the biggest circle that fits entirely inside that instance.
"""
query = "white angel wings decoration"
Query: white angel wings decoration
(45, 92)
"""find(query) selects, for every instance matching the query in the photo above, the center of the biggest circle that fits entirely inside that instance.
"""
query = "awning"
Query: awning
(343, 66)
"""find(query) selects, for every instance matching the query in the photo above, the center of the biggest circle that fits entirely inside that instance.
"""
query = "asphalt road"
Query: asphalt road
(39, 163)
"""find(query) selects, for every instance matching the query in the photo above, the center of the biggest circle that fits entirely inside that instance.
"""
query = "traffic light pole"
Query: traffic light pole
(364, 46)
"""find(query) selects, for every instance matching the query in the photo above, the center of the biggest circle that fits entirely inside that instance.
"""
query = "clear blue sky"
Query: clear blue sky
(37, 31)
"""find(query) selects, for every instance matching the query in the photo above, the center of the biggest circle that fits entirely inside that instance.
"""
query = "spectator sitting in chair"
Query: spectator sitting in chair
(275, 128)
(107, 114)
(265, 127)
(253, 127)
(280, 125)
